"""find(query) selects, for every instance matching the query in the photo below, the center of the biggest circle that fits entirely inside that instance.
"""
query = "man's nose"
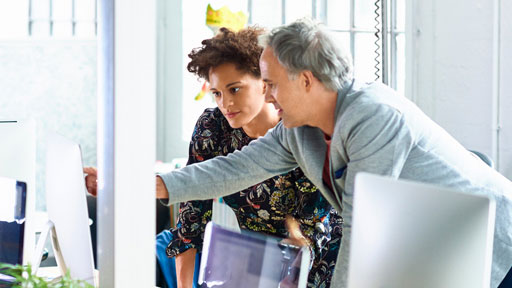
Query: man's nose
(269, 98)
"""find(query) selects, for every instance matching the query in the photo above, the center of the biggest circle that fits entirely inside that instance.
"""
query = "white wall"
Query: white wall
(454, 67)
(181, 27)
(53, 82)
(505, 138)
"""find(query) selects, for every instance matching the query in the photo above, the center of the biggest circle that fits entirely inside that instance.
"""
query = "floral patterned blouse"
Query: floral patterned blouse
(262, 207)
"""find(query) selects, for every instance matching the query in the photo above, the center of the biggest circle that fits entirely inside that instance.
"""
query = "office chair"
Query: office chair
(487, 160)
(507, 282)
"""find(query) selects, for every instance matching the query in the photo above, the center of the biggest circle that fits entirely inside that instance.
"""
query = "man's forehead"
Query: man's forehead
(269, 63)
(268, 55)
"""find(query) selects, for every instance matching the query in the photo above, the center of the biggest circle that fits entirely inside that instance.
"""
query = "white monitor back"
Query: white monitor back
(67, 206)
(407, 234)
(18, 161)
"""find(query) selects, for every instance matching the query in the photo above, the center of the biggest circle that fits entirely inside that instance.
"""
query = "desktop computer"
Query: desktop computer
(247, 259)
(68, 221)
(12, 220)
(407, 234)
(18, 161)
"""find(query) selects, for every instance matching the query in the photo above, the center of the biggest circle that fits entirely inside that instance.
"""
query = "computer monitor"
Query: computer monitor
(67, 210)
(13, 195)
(407, 234)
(18, 161)
(231, 259)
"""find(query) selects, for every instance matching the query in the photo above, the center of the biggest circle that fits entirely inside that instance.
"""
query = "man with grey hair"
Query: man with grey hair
(334, 127)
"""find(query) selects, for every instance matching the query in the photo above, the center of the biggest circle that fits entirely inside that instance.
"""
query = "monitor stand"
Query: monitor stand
(49, 228)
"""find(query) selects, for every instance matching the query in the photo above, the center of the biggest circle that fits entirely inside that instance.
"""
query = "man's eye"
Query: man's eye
(234, 90)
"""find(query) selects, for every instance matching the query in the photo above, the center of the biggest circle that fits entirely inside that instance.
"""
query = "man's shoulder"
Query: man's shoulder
(367, 95)
(288, 133)
(371, 102)
(371, 99)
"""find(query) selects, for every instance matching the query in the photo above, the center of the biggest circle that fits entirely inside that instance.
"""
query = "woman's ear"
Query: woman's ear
(264, 88)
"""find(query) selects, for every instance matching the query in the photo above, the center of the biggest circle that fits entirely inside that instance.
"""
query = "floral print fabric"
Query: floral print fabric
(262, 207)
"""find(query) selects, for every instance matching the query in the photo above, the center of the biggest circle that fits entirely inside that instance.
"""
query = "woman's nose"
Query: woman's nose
(227, 101)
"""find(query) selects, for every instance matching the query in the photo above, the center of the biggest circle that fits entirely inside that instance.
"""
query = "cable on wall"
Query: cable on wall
(377, 40)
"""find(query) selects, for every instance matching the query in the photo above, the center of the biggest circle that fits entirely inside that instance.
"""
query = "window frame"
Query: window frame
(73, 21)
(389, 50)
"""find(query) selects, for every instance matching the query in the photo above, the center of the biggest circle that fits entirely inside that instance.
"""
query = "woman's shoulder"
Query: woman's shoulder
(210, 116)
(211, 122)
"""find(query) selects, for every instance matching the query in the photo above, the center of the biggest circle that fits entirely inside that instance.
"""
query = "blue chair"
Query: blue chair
(507, 282)
(168, 265)
(487, 160)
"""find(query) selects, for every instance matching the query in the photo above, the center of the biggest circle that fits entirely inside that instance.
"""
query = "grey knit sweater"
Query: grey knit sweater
(376, 131)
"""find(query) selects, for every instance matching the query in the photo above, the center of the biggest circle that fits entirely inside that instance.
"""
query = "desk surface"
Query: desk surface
(54, 272)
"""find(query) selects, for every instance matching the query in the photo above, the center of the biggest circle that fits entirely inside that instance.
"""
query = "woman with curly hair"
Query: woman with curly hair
(230, 63)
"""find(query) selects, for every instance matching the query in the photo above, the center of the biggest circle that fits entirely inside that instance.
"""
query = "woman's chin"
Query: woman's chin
(235, 124)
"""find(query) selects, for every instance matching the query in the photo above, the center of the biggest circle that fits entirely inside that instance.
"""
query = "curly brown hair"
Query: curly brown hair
(240, 48)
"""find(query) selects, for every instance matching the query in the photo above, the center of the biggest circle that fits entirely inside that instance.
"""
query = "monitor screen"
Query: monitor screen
(18, 161)
(410, 234)
(67, 208)
(12, 220)
(248, 259)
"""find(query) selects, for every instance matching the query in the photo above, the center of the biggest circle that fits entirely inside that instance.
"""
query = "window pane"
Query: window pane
(84, 10)
(62, 29)
(13, 19)
(400, 60)
(343, 40)
(40, 29)
(296, 9)
(40, 9)
(61, 10)
(364, 17)
(338, 14)
(400, 15)
(364, 58)
(85, 29)
(266, 13)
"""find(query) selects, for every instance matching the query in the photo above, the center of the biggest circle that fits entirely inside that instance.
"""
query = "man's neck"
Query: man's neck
(324, 113)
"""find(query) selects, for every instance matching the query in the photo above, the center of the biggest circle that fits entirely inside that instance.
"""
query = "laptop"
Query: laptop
(407, 234)
(13, 197)
(250, 260)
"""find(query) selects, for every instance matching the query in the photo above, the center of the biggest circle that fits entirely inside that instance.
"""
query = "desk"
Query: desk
(54, 272)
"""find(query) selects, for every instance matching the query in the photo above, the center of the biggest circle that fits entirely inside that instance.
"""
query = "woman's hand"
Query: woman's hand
(91, 180)
(295, 236)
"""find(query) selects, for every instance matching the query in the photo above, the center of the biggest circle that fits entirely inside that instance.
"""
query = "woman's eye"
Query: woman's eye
(234, 90)
(216, 94)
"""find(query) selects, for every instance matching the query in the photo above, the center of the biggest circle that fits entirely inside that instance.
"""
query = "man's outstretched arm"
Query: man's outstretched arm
(224, 175)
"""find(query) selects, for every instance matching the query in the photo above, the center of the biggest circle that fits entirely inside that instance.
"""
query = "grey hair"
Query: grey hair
(306, 45)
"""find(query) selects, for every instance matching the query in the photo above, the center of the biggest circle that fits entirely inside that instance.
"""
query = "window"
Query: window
(20, 19)
(48, 55)
(355, 24)
(62, 18)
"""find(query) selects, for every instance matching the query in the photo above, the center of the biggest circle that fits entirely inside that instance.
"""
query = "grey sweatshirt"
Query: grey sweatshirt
(376, 131)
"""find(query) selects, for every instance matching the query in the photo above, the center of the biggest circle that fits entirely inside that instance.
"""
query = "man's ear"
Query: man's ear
(307, 79)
